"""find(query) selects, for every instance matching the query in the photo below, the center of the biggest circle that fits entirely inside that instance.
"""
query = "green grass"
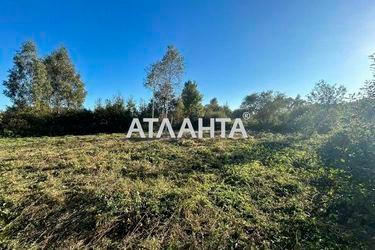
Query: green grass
(107, 192)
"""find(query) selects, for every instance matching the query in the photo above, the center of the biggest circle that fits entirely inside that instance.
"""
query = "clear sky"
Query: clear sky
(232, 48)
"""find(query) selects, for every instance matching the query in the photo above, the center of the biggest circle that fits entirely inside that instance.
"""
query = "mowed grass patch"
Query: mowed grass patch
(105, 191)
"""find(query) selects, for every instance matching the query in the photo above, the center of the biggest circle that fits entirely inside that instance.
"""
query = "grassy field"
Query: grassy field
(104, 191)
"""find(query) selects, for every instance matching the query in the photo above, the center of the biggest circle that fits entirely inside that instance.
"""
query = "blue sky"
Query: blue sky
(231, 48)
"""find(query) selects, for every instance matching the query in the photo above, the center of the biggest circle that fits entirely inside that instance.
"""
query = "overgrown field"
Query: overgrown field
(104, 191)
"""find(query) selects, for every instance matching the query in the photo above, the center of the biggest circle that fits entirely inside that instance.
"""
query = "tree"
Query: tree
(327, 110)
(27, 84)
(298, 102)
(144, 109)
(68, 89)
(179, 113)
(214, 110)
(192, 100)
(226, 110)
(41, 89)
(326, 94)
(368, 90)
(252, 103)
(131, 107)
(372, 58)
(163, 77)
(150, 83)
(213, 105)
(268, 109)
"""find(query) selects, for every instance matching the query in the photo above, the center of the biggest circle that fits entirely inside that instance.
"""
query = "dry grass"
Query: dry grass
(107, 192)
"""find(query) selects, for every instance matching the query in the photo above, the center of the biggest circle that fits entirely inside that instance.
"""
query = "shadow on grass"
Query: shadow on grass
(43, 220)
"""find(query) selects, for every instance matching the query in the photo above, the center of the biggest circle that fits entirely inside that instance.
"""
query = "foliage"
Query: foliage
(179, 112)
(51, 88)
(68, 89)
(192, 100)
(268, 108)
(27, 83)
(42, 85)
(164, 76)
(114, 116)
(326, 94)
(214, 110)
(368, 90)
(275, 112)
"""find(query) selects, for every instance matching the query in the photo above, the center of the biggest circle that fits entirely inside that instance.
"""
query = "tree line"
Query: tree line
(47, 96)
(44, 84)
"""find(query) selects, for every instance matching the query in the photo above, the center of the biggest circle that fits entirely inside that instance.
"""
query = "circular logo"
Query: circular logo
(246, 115)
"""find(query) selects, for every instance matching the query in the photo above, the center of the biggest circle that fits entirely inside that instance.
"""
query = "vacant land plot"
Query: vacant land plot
(105, 191)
